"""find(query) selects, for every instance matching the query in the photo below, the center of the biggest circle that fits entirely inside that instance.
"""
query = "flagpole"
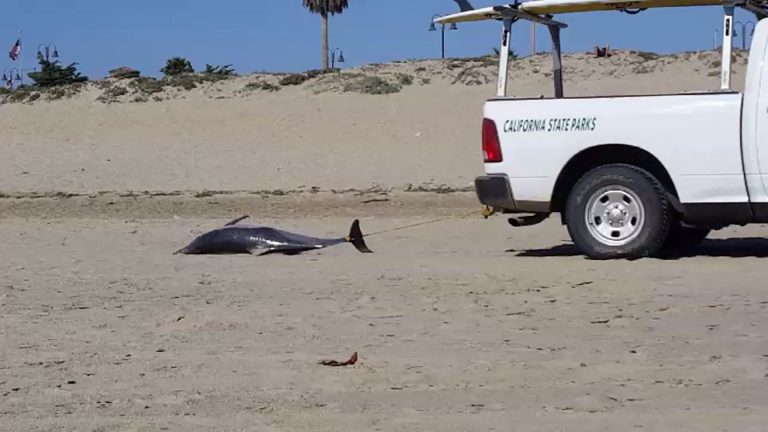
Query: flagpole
(20, 64)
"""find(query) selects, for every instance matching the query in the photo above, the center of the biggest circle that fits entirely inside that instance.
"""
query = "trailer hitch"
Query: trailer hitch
(487, 211)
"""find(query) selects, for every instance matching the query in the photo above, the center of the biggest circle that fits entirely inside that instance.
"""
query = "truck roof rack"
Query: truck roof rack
(758, 7)
(542, 12)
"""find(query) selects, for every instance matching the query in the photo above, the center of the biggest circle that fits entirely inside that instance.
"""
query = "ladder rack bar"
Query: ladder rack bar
(506, 40)
(725, 76)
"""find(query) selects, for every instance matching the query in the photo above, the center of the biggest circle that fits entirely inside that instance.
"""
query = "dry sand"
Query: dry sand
(461, 325)
(104, 330)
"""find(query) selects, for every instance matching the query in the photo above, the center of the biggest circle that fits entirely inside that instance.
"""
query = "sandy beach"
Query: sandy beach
(464, 324)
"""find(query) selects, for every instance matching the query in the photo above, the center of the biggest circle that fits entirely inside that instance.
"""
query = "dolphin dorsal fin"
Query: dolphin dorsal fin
(234, 222)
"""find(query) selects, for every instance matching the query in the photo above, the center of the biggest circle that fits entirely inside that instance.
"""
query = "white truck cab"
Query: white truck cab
(623, 188)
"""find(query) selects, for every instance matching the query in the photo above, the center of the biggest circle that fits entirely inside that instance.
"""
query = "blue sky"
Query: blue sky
(280, 35)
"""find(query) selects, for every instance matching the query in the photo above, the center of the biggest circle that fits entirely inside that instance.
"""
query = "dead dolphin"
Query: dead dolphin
(262, 240)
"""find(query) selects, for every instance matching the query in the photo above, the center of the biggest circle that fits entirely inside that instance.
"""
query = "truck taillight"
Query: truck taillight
(491, 145)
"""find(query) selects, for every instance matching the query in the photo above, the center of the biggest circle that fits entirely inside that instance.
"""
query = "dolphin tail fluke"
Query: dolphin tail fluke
(357, 239)
(465, 5)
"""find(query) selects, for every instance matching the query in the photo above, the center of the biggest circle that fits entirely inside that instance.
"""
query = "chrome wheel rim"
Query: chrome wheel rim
(614, 215)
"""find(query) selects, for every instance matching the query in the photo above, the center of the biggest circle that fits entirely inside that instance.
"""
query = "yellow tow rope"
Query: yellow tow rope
(486, 212)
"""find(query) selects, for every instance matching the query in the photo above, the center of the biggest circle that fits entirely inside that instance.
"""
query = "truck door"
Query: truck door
(762, 120)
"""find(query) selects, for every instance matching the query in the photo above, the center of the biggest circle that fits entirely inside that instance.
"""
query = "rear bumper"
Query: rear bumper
(495, 191)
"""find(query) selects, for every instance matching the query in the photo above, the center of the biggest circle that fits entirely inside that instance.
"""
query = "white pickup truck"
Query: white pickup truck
(626, 190)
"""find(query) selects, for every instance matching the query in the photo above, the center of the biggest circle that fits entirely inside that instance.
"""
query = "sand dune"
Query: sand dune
(220, 136)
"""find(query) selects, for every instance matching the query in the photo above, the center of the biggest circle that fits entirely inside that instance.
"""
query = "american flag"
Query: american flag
(16, 50)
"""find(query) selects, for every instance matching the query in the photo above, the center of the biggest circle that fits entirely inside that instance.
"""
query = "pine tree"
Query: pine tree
(53, 74)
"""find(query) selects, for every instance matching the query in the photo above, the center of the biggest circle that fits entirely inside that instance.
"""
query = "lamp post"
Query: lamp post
(442, 30)
(340, 58)
(44, 52)
(11, 75)
(744, 27)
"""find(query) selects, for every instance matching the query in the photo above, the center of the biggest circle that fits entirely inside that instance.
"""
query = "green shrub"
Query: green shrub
(219, 70)
(112, 94)
(314, 73)
(372, 85)
(177, 66)
(261, 85)
(293, 79)
(641, 69)
(185, 81)
(56, 93)
(23, 94)
(404, 79)
(146, 85)
(189, 81)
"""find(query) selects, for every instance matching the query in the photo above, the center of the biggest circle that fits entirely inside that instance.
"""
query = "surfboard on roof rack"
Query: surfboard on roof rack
(497, 13)
(572, 6)
(537, 10)
(543, 11)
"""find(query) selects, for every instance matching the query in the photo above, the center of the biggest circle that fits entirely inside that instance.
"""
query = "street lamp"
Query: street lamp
(46, 48)
(433, 28)
(334, 58)
(11, 75)
(744, 27)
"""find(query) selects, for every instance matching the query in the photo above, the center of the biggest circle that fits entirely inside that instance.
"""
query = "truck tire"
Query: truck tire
(682, 237)
(618, 211)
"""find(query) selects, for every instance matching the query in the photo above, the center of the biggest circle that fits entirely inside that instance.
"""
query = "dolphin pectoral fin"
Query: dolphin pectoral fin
(240, 219)
(356, 237)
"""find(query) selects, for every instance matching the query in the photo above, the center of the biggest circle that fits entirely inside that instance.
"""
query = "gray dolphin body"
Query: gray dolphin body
(261, 240)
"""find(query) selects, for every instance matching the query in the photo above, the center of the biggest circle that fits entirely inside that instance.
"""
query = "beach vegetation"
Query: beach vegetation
(177, 66)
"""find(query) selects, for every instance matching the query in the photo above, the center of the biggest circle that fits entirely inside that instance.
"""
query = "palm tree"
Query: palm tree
(325, 8)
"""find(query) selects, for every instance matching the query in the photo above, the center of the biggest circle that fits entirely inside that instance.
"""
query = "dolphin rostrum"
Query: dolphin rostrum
(261, 240)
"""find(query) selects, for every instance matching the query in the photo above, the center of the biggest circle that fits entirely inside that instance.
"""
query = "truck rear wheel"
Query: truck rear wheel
(618, 211)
